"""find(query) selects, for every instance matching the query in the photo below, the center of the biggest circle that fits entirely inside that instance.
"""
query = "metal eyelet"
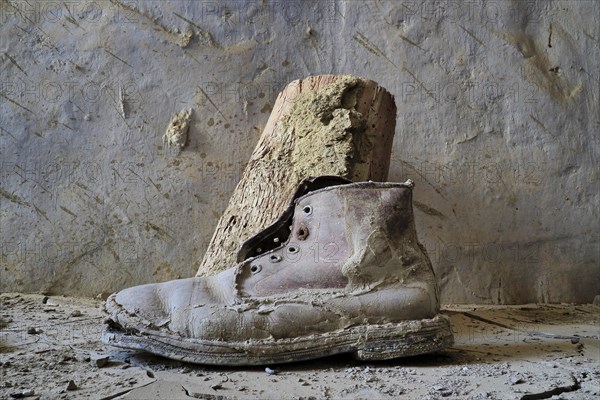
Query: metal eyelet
(307, 210)
(302, 232)
(275, 258)
(255, 268)
(293, 249)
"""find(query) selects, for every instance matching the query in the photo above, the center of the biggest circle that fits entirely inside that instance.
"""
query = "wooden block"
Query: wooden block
(322, 125)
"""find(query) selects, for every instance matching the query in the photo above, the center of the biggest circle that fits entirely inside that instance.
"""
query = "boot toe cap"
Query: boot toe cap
(150, 306)
(136, 307)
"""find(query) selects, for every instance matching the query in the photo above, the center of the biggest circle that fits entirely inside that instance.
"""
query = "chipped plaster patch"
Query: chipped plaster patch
(176, 134)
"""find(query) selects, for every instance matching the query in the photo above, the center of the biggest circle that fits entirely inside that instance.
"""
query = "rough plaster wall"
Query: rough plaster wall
(497, 125)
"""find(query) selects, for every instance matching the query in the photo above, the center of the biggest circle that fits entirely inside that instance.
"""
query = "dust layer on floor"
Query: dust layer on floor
(50, 348)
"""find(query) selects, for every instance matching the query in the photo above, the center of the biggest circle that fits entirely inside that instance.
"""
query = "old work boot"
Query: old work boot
(341, 271)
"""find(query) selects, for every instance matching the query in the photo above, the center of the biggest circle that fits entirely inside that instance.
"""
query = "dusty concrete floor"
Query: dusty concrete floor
(523, 352)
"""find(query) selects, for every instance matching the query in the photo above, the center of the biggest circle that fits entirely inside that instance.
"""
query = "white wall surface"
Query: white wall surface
(498, 125)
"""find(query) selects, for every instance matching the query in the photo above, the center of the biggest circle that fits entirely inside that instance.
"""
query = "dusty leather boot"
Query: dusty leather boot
(341, 271)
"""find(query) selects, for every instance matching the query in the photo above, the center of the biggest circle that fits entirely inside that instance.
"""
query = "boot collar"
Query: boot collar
(266, 239)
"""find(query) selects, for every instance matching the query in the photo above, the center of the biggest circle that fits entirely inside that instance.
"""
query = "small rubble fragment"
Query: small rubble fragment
(72, 385)
(575, 340)
(102, 296)
(22, 394)
(443, 390)
(101, 362)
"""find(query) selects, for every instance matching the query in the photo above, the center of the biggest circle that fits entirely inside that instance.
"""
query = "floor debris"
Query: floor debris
(524, 352)
(71, 385)
(102, 362)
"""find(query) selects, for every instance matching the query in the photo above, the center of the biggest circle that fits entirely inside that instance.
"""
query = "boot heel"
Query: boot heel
(407, 338)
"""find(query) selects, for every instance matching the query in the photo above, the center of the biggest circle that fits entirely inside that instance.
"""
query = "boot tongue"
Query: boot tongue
(276, 234)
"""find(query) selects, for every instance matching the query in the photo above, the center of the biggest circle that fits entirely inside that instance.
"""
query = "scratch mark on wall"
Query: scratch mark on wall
(46, 36)
(188, 21)
(421, 84)
(468, 32)
(372, 48)
(157, 187)
(539, 123)
(65, 209)
(180, 40)
(416, 170)
(117, 107)
(136, 174)
(8, 133)
(17, 104)
(30, 179)
(185, 38)
(81, 185)
(192, 57)
(407, 40)
(162, 234)
(71, 20)
(118, 174)
(213, 104)
(78, 258)
(41, 212)
(428, 210)
(13, 198)
(66, 126)
(118, 58)
(12, 60)
(79, 108)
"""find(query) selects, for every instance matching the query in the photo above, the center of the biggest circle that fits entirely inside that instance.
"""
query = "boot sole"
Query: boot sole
(365, 342)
